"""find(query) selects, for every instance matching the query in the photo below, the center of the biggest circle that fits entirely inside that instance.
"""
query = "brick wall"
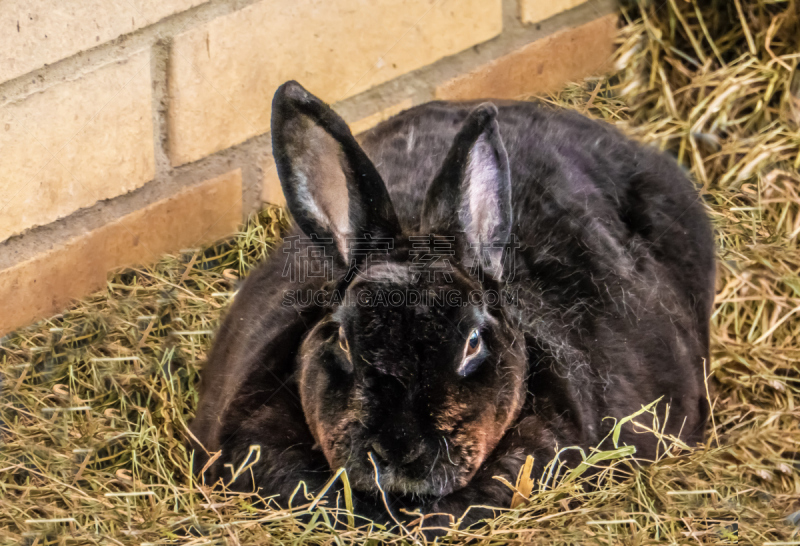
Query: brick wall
(129, 128)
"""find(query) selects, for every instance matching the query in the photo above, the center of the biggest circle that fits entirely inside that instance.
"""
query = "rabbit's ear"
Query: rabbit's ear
(472, 192)
(332, 188)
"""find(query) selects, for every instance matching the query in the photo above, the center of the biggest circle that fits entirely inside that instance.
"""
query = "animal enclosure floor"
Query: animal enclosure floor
(95, 401)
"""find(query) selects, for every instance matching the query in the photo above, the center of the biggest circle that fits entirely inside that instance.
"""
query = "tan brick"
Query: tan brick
(75, 144)
(271, 191)
(369, 122)
(38, 32)
(47, 283)
(541, 66)
(223, 74)
(533, 11)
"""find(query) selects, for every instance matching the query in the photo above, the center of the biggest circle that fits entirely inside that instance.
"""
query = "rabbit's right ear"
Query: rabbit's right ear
(332, 188)
(471, 194)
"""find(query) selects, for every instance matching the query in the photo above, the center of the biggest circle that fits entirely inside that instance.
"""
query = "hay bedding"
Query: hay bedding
(95, 401)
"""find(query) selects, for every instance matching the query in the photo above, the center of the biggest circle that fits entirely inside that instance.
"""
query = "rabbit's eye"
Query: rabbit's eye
(473, 354)
(343, 344)
(473, 343)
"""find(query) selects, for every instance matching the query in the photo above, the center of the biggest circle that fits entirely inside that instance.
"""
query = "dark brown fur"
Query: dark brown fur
(614, 274)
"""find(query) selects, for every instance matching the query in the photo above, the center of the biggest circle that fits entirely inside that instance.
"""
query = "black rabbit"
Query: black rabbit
(498, 279)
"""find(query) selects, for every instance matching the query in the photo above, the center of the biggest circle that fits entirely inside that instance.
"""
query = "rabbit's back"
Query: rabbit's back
(569, 174)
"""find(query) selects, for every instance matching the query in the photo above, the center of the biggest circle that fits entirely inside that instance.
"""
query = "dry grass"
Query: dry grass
(95, 401)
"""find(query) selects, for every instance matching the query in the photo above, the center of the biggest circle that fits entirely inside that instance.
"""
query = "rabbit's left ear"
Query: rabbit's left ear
(472, 192)
(332, 188)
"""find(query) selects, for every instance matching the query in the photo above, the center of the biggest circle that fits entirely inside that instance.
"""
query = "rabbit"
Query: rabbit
(597, 251)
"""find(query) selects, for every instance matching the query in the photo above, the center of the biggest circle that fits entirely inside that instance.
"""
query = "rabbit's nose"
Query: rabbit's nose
(413, 453)
(404, 457)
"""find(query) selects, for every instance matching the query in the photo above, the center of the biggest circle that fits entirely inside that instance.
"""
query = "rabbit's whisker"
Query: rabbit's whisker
(447, 447)
(433, 464)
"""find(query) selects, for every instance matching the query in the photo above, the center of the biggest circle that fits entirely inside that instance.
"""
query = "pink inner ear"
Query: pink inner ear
(483, 176)
(323, 186)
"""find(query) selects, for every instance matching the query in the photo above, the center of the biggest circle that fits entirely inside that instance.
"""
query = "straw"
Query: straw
(96, 400)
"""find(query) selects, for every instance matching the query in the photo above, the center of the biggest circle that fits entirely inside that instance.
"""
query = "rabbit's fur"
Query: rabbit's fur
(613, 270)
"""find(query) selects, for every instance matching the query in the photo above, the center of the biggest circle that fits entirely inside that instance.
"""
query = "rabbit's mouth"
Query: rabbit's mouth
(428, 469)
(419, 478)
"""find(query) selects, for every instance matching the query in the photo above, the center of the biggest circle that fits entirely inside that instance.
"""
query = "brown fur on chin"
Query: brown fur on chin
(464, 445)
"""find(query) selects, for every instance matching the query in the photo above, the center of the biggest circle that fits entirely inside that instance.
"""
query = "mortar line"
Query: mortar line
(77, 64)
